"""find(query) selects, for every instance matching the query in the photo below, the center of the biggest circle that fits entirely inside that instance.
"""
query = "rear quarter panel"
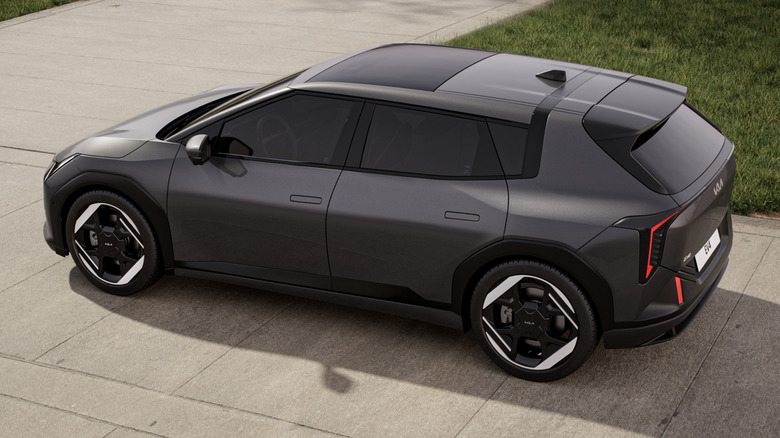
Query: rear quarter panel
(579, 191)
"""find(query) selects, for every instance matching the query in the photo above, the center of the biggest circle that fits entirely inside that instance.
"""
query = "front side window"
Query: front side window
(301, 128)
(426, 143)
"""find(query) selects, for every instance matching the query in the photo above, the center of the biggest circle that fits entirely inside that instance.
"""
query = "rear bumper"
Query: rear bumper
(663, 318)
(665, 330)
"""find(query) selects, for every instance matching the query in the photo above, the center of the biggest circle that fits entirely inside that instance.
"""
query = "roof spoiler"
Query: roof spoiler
(633, 108)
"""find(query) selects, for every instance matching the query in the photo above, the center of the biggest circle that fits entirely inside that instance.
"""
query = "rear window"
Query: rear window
(680, 150)
(510, 144)
(425, 143)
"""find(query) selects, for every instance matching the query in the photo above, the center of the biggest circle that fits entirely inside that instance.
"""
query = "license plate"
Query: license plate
(706, 251)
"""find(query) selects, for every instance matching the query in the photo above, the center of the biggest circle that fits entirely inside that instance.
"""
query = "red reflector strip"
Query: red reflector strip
(679, 290)
(650, 250)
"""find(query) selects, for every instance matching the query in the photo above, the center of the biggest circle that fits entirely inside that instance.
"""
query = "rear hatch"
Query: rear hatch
(648, 128)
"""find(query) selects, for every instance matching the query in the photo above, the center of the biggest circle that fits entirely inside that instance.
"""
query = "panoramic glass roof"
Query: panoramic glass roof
(417, 67)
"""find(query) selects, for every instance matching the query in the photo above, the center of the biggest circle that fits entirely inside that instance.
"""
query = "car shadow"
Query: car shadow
(635, 389)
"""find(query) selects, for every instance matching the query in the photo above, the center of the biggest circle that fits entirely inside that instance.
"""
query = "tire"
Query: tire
(533, 320)
(112, 243)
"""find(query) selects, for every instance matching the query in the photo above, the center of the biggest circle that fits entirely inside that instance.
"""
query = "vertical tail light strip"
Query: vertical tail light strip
(656, 235)
(679, 290)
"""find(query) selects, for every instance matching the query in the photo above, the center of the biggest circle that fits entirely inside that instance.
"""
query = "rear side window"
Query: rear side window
(426, 143)
(680, 150)
(510, 144)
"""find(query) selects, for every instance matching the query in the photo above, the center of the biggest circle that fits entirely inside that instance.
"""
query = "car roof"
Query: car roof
(413, 66)
(452, 70)
(494, 85)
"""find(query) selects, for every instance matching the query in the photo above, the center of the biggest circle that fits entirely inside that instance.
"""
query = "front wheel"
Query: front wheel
(112, 243)
(533, 320)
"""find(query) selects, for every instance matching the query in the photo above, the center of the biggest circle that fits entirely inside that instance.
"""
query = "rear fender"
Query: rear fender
(472, 269)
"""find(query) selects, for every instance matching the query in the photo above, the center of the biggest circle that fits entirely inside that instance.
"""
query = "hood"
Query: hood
(123, 138)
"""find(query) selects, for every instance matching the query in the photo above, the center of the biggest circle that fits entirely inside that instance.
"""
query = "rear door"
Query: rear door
(257, 207)
(428, 192)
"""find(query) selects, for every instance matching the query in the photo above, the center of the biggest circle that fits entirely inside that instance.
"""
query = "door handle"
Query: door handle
(303, 199)
(459, 216)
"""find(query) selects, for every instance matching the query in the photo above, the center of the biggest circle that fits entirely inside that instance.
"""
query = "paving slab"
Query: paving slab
(75, 71)
(134, 407)
(20, 186)
(45, 132)
(24, 253)
(20, 418)
(354, 373)
(121, 25)
(168, 334)
(47, 312)
(27, 157)
(407, 18)
(747, 252)
(754, 225)
(87, 100)
(123, 432)
(737, 388)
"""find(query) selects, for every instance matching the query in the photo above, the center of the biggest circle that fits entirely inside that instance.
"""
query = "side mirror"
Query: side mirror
(198, 149)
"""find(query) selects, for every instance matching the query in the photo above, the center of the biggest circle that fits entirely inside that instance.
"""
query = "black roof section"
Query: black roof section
(413, 66)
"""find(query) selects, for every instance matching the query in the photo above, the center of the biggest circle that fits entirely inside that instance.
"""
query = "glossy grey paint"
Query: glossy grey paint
(264, 215)
(141, 175)
(579, 190)
(396, 230)
(391, 230)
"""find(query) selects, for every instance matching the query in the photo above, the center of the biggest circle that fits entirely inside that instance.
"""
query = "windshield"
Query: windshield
(243, 97)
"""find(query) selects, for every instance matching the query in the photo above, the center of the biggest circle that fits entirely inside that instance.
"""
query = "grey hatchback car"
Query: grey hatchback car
(543, 204)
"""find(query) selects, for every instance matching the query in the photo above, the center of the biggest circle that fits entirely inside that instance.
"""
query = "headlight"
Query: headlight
(55, 166)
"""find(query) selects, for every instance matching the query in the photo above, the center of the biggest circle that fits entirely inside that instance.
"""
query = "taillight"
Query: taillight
(679, 290)
(653, 241)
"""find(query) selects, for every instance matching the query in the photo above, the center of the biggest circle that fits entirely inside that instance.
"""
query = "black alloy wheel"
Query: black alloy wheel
(533, 320)
(112, 243)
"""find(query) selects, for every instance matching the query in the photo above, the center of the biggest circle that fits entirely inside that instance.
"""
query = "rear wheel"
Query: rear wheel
(112, 243)
(533, 320)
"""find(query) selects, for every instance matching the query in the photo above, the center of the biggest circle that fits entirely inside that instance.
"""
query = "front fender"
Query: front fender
(59, 202)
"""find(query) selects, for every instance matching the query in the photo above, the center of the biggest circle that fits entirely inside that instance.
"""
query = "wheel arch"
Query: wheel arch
(64, 198)
(593, 285)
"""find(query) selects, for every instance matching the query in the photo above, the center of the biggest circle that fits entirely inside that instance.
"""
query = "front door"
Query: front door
(257, 207)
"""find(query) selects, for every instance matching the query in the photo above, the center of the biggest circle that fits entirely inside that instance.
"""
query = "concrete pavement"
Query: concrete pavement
(193, 358)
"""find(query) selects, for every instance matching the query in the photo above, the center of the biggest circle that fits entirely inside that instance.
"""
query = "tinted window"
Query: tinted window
(680, 151)
(406, 140)
(299, 128)
(510, 144)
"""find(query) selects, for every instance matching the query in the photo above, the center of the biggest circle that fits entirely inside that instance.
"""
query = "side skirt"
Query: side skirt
(436, 316)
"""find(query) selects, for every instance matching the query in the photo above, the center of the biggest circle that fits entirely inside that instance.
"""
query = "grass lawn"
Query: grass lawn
(16, 8)
(727, 52)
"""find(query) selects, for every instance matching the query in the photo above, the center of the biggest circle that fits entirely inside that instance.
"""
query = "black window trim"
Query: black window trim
(358, 145)
(344, 143)
(527, 128)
